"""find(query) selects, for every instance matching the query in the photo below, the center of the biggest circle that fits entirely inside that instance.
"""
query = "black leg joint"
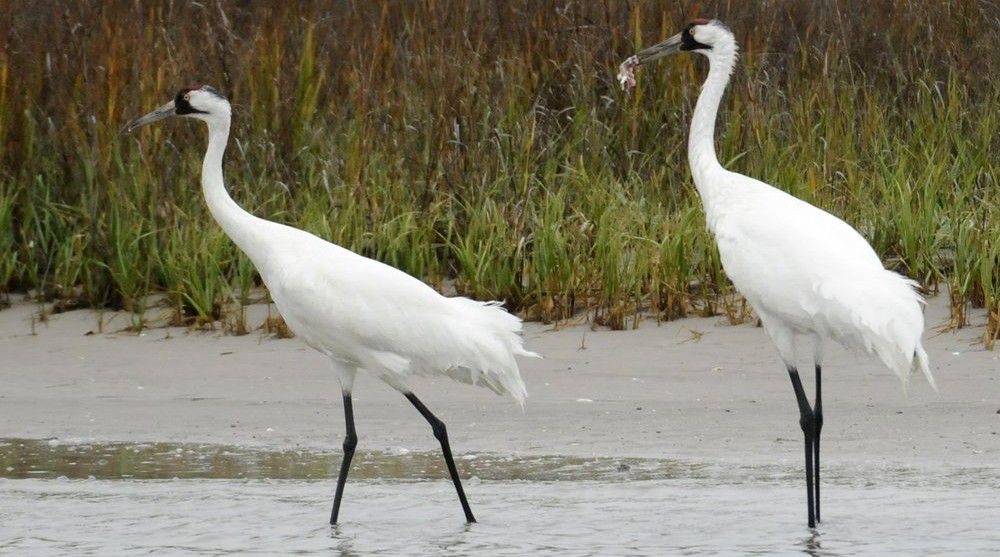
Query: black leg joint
(807, 421)
(440, 430)
(350, 442)
(441, 433)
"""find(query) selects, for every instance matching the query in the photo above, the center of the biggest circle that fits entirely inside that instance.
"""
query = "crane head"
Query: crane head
(197, 101)
(704, 36)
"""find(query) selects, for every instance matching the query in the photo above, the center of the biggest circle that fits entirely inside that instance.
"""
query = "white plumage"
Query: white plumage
(363, 314)
(805, 272)
(369, 316)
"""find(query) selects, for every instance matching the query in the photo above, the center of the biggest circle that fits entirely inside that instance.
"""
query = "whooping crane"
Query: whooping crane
(805, 272)
(362, 314)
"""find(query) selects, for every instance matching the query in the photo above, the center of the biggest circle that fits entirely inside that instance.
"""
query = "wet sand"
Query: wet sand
(694, 389)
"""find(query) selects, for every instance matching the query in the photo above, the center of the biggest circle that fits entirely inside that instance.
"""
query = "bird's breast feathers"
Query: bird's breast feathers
(779, 251)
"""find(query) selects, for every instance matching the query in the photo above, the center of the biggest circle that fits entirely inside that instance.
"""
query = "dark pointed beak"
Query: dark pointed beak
(165, 111)
(659, 50)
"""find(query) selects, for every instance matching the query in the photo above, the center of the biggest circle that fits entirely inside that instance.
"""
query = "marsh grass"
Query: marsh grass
(485, 147)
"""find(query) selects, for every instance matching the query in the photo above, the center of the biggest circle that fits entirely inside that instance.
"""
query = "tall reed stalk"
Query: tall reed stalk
(484, 146)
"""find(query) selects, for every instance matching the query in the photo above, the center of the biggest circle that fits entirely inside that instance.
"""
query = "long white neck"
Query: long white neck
(238, 224)
(701, 141)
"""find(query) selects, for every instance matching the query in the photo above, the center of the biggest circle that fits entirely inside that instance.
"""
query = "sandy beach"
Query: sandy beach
(678, 437)
(689, 389)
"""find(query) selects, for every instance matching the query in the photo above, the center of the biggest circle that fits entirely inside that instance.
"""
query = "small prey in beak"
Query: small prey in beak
(626, 71)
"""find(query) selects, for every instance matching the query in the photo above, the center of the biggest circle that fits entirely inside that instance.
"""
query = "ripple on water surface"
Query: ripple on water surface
(201, 499)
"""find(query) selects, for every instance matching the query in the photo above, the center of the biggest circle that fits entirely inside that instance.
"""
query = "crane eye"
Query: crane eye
(187, 96)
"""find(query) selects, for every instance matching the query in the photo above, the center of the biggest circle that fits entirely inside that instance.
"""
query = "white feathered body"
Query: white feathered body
(806, 272)
(373, 317)
(363, 314)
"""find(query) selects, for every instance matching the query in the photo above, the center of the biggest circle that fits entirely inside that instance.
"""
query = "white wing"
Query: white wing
(381, 319)
(814, 272)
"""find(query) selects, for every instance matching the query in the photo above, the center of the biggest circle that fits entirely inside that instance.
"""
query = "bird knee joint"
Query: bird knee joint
(808, 423)
(440, 431)
(350, 442)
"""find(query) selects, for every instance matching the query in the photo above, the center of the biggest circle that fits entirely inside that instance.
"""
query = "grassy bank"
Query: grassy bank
(486, 145)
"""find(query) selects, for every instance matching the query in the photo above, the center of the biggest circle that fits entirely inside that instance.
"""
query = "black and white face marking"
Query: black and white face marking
(208, 104)
(719, 42)
(688, 42)
(182, 101)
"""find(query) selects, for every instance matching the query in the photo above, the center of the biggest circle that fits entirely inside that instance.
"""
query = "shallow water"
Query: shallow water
(211, 500)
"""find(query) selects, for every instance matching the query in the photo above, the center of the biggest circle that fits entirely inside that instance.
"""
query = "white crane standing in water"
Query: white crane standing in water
(805, 272)
(362, 314)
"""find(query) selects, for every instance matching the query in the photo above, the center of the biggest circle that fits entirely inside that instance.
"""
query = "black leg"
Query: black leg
(807, 422)
(350, 442)
(818, 424)
(441, 433)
